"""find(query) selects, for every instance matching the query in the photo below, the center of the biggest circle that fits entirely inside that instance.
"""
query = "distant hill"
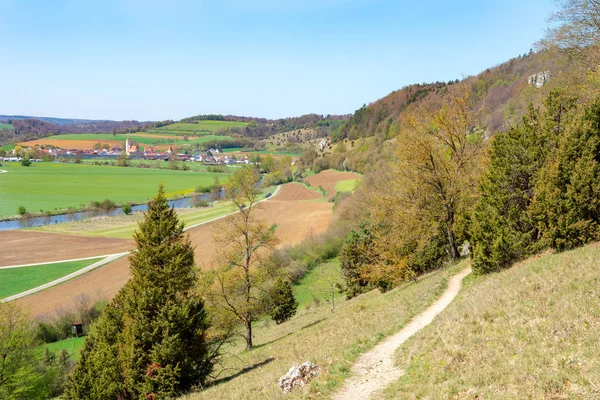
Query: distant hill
(53, 120)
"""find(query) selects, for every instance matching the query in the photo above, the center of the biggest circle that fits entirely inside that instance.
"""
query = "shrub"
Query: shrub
(127, 209)
(281, 302)
(22, 210)
(26, 162)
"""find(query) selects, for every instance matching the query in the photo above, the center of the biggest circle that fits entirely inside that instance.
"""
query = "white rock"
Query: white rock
(538, 80)
(298, 375)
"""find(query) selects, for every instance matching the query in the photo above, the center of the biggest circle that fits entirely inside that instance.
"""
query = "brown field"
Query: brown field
(296, 220)
(72, 144)
(329, 178)
(296, 191)
(26, 247)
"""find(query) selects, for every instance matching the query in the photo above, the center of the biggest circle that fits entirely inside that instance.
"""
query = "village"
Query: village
(211, 156)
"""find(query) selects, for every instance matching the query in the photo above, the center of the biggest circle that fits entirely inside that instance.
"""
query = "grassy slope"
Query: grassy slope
(332, 340)
(346, 186)
(5, 126)
(17, 280)
(528, 332)
(314, 288)
(50, 186)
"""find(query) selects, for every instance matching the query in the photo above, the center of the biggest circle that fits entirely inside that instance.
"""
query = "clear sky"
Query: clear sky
(154, 60)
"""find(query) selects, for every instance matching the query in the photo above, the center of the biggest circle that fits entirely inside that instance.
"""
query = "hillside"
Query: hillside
(528, 332)
(502, 93)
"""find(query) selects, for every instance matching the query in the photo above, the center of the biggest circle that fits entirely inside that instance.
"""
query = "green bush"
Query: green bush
(127, 209)
(281, 302)
(22, 210)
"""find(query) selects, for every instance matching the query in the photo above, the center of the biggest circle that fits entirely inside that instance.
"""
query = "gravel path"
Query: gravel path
(375, 370)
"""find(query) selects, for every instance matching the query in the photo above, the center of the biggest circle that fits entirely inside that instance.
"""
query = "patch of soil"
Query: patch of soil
(329, 178)
(296, 191)
(27, 247)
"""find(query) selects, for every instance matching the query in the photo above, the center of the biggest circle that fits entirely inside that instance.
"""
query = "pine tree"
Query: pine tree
(150, 341)
(282, 303)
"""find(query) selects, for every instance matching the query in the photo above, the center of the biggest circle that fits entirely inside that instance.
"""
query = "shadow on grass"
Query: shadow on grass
(272, 341)
(313, 323)
(241, 372)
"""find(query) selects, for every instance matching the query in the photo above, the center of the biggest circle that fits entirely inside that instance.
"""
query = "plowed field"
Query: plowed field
(26, 247)
(329, 178)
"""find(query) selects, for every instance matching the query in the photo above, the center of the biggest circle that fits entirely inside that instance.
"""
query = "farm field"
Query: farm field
(5, 126)
(87, 141)
(123, 226)
(57, 186)
(328, 179)
(28, 247)
(295, 219)
(198, 127)
(17, 280)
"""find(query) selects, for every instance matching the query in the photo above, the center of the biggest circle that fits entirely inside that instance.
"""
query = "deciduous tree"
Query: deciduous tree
(243, 242)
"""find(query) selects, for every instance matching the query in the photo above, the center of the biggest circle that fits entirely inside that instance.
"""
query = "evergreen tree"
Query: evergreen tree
(502, 229)
(281, 301)
(150, 341)
(566, 206)
(357, 252)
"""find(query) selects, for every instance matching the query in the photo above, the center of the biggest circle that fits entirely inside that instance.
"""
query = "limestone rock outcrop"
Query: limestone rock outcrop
(298, 375)
(538, 80)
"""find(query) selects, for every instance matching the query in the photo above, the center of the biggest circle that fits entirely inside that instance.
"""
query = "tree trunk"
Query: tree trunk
(454, 253)
(248, 324)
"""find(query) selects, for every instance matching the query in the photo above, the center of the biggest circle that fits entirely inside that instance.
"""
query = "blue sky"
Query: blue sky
(153, 60)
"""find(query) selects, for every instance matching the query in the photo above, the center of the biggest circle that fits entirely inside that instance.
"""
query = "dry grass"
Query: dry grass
(528, 332)
(331, 340)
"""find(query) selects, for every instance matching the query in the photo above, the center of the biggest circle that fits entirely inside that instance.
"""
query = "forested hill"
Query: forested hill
(261, 128)
(501, 93)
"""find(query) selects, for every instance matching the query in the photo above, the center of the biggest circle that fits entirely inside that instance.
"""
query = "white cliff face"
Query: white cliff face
(538, 80)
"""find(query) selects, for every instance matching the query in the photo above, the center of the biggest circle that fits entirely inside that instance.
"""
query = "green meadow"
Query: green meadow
(198, 127)
(73, 346)
(57, 186)
(5, 126)
(346, 186)
(17, 280)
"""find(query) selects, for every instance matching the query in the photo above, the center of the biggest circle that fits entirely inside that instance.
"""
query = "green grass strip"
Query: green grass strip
(17, 280)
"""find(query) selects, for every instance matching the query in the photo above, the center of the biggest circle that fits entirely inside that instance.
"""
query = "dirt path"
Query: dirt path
(375, 370)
